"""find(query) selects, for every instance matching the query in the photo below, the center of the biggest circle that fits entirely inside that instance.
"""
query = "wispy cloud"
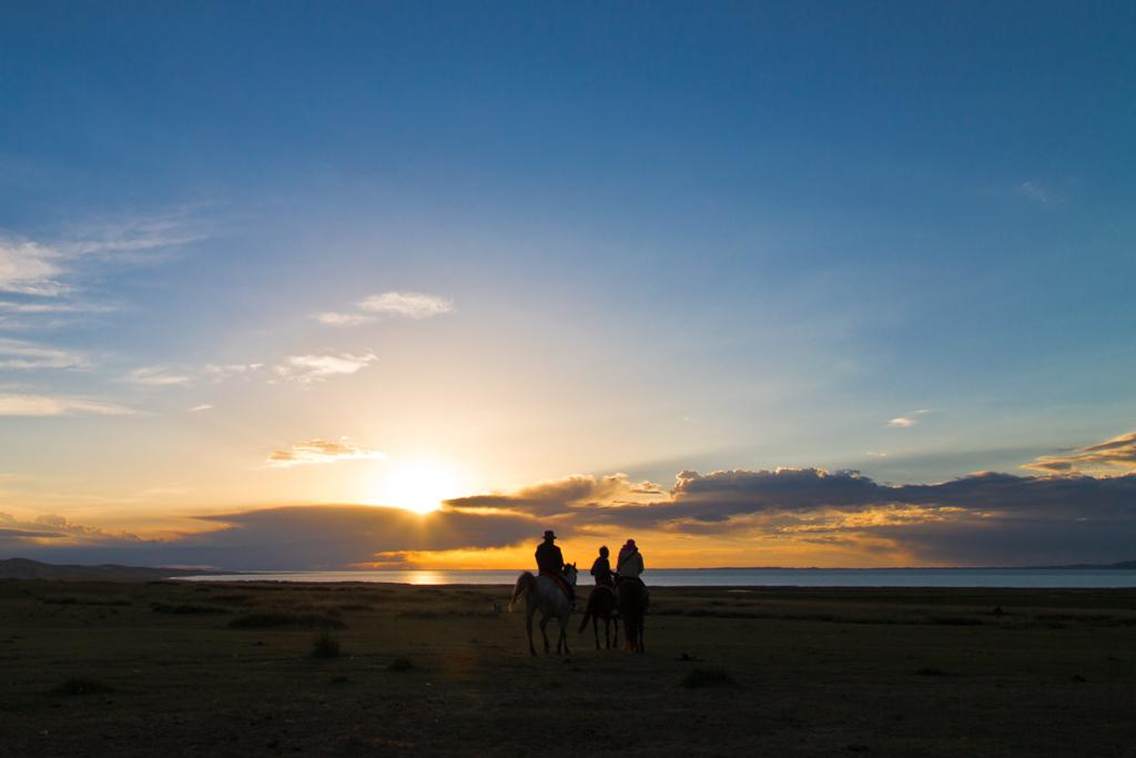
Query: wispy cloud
(20, 404)
(45, 269)
(221, 372)
(1117, 456)
(332, 318)
(1038, 193)
(321, 451)
(413, 305)
(29, 268)
(908, 420)
(157, 376)
(200, 408)
(24, 356)
(308, 369)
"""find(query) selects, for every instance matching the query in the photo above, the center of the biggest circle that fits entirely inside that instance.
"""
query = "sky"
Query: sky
(286, 285)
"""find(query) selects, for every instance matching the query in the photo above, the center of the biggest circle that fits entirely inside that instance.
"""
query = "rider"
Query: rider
(550, 563)
(630, 563)
(601, 570)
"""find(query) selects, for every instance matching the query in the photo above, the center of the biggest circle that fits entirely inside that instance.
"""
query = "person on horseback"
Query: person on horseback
(630, 563)
(550, 562)
(601, 570)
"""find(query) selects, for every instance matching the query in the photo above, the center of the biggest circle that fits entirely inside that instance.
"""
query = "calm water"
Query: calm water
(740, 577)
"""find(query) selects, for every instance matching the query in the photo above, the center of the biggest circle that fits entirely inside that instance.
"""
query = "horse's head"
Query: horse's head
(570, 573)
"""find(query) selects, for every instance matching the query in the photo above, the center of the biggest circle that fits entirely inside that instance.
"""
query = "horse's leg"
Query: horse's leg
(563, 636)
(615, 632)
(529, 611)
(544, 633)
(596, 630)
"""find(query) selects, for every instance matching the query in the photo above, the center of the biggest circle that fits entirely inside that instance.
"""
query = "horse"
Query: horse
(601, 605)
(543, 593)
(632, 602)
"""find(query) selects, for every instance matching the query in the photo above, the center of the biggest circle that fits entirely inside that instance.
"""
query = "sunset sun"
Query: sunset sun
(418, 486)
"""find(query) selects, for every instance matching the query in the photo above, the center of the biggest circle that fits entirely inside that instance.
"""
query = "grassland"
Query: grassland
(177, 668)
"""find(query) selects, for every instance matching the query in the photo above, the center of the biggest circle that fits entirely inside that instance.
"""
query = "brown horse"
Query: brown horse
(632, 603)
(601, 605)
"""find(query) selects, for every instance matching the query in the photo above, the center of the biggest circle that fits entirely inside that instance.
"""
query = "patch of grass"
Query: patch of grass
(270, 620)
(700, 678)
(355, 607)
(325, 646)
(956, 620)
(401, 664)
(78, 685)
(931, 671)
(186, 609)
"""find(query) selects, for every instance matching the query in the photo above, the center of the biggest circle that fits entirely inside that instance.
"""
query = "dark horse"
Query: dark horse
(632, 603)
(601, 605)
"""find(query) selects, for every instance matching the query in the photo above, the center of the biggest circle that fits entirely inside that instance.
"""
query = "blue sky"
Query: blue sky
(667, 236)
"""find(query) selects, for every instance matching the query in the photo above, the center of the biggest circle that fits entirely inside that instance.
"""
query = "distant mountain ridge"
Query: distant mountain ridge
(24, 568)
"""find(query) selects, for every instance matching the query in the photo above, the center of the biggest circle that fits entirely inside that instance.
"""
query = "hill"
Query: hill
(23, 568)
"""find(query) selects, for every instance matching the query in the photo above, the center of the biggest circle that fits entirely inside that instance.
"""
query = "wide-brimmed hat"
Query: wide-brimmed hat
(549, 534)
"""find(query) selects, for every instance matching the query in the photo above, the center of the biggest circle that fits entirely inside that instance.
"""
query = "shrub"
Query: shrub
(400, 664)
(303, 620)
(81, 686)
(325, 646)
(708, 678)
(186, 609)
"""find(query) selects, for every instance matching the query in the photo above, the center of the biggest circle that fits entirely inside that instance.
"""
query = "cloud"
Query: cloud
(321, 451)
(57, 529)
(221, 372)
(1038, 193)
(413, 305)
(556, 497)
(29, 268)
(200, 408)
(157, 376)
(42, 269)
(907, 420)
(1116, 455)
(19, 355)
(18, 404)
(308, 369)
(314, 537)
(331, 318)
(407, 304)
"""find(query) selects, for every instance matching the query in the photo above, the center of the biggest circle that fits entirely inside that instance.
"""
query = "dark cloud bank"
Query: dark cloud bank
(983, 519)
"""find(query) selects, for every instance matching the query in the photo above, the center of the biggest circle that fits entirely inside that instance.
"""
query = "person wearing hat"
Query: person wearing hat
(630, 563)
(550, 562)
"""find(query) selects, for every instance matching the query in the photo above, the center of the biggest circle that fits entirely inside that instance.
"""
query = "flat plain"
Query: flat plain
(180, 668)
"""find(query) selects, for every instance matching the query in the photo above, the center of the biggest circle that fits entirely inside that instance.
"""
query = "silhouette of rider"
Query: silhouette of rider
(630, 563)
(601, 569)
(550, 562)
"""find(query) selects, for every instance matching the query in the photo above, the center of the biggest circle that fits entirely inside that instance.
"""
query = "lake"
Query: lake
(743, 577)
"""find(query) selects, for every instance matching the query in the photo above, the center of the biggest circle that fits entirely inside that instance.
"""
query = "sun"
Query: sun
(418, 486)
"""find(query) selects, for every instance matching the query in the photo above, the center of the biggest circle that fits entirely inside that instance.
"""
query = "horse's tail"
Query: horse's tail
(587, 613)
(524, 585)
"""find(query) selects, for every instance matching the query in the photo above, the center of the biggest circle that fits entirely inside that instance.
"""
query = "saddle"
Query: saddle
(562, 583)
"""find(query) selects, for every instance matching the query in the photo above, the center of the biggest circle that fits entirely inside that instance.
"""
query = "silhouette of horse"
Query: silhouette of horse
(601, 605)
(632, 603)
(542, 593)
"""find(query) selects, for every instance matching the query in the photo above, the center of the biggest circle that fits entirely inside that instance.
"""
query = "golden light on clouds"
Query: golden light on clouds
(418, 485)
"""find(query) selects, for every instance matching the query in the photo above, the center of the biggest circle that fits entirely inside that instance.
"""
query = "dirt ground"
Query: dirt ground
(178, 668)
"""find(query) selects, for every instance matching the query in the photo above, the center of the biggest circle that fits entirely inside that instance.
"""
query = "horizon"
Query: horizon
(400, 287)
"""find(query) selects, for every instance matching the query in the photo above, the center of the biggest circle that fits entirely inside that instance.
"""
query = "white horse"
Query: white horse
(544, 594)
